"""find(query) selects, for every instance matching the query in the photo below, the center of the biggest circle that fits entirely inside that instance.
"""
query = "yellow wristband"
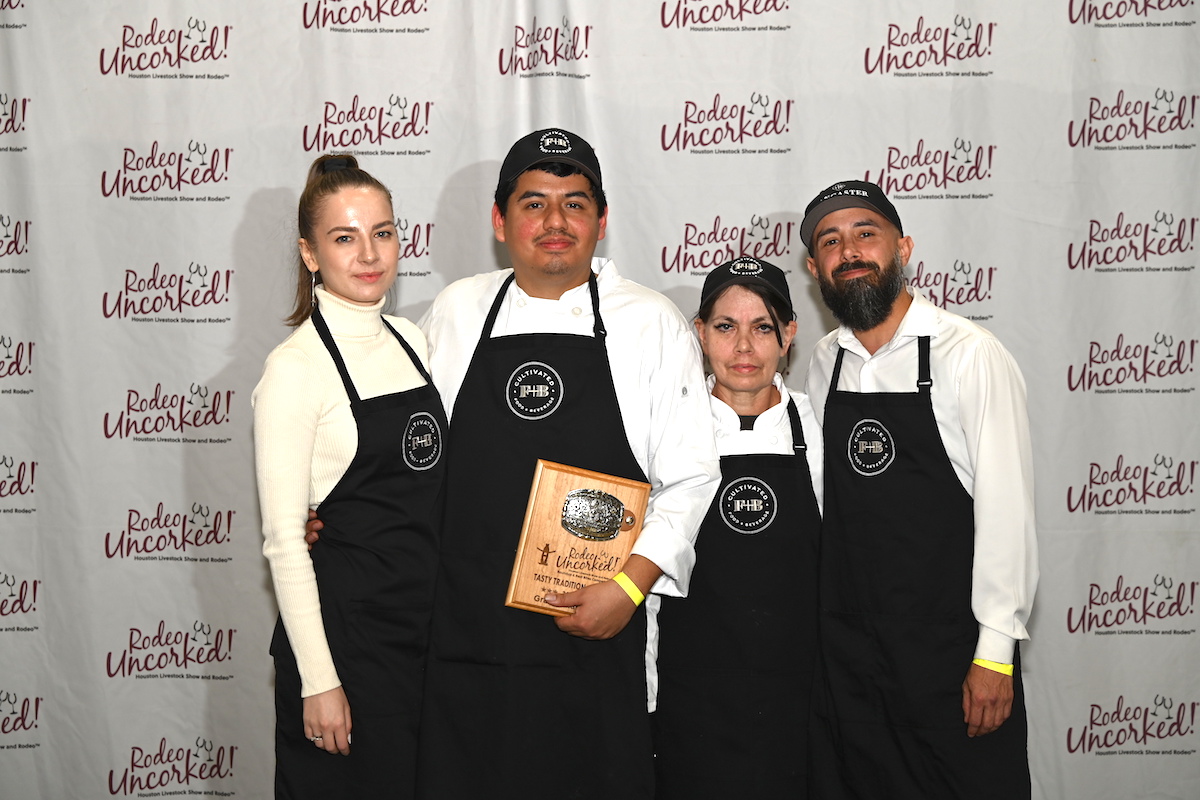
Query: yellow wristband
(631, 589)
(1003, 669)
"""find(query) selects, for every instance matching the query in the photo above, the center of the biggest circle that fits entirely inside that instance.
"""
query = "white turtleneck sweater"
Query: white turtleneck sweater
(304, 440)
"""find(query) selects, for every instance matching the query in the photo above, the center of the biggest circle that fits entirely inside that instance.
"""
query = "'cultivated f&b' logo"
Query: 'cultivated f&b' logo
(748, 505)
(534, 391)
(871, 448)
(422, 441)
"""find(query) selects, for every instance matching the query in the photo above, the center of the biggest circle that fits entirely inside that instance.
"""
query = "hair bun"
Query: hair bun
(338, 162)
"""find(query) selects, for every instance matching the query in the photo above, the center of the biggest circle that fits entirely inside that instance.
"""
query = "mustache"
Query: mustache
(847, 266)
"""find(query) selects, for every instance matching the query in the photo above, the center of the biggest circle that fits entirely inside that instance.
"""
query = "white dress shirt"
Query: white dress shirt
(980, 407)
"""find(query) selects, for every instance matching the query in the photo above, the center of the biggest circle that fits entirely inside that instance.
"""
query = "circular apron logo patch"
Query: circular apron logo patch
(534, 391)
(748, 505)
(422, 441)
(871, 448)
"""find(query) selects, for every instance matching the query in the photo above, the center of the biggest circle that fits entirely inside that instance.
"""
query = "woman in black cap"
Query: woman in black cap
(736, 657)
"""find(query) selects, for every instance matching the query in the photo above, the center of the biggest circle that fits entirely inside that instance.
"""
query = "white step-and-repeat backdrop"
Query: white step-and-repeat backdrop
(1043, 155)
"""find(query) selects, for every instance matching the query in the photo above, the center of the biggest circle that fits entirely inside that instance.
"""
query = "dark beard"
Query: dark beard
(864, 303)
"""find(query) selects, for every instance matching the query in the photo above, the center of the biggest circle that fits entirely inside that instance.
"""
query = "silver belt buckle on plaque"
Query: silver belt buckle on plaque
(594, 515)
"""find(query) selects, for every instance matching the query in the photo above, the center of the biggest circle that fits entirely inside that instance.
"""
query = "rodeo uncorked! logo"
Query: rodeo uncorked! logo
(344, 13)
(1131, 608)
(17, 595)
(964, 284)
(1126, 728)
(16, 358)
(1108, 370)
(16, 477)
(162, 170)
(925, 168)
(154, 654)
(161, 295)
(1099, 12)
(921, 46)
(162, 47)
(146, 416)
(170, 535)
(167, 766)
(1128, 246)
(1109, 124)
(1129, 487)
(14, 237)
(715, 123)
(543, 47)
(710, 244)
(19, 714)
(359, 124)
(688, 13)
(13, 113)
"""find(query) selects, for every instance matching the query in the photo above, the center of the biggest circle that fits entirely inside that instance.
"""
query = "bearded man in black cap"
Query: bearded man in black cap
(515, 706)
(929, 553)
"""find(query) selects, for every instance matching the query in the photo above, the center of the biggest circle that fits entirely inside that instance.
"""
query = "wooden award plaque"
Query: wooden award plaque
(579, 528)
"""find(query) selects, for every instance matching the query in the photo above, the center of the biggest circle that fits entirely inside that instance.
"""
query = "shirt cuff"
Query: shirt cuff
(995, 646)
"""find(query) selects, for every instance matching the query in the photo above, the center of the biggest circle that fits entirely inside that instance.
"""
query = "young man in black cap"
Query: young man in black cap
(563, 359)
(929, 554)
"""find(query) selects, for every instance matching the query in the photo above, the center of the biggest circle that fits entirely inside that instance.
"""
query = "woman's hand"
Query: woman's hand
(327, 721)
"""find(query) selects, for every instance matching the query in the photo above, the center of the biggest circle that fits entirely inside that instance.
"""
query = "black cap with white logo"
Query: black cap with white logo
(846, 194)
(551, 144)
(747, 270)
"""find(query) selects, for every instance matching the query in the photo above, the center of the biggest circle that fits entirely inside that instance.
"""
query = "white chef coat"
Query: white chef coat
(655, 363)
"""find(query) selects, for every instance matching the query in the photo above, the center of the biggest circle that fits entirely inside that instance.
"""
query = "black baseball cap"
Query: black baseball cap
(846, 194)
(746, 271)
(550, 144)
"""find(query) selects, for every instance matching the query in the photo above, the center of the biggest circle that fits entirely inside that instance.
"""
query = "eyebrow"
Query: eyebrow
(866, 222)
(578, 193)
(352, 229)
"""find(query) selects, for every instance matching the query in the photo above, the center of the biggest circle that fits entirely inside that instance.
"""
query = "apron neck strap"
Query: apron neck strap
(798, 444)
(593, 289)
(327, 338)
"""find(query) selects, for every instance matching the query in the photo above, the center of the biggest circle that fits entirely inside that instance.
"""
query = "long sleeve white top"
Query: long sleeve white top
(979, 403)
(304, 440)
(655, 363)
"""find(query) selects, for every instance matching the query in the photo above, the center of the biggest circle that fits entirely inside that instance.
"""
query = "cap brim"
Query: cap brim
(813, 218)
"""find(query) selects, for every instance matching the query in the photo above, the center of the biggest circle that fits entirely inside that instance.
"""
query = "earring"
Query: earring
(312, 289)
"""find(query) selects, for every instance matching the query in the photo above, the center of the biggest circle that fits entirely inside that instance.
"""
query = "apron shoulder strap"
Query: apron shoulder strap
(412, 355)
(327, 338)
(924, 381)
(799, 447)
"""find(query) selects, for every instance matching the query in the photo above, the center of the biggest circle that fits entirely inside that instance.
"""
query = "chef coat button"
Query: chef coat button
(520, 302)
(577, 311)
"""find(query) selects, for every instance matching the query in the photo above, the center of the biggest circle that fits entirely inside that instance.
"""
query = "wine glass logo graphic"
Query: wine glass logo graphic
(6, 223)
(200, 270)
(1165, 462)
(7, 462)
(1165, 340)
(197, 25)
(763, 100)
(961, 146)
(1164, 218)
(961, 268)
(201, 512)
(200, 149)
(6, 342)
(1163, 702)
(402, 226)
(964, 23)
(757, 222)
(11, 699)
(205, 746)
(399, 103)
(199, 391)
(10, 581)
(1164, 582)
(1163, 95)
(198, 628)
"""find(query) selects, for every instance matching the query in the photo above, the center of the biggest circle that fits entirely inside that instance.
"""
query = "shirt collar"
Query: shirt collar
(348, 320)
(923, 318)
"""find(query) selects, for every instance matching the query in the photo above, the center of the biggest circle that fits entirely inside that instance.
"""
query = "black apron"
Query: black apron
(375, 564)
(736, 657)
(897, 630)
(514, 707)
